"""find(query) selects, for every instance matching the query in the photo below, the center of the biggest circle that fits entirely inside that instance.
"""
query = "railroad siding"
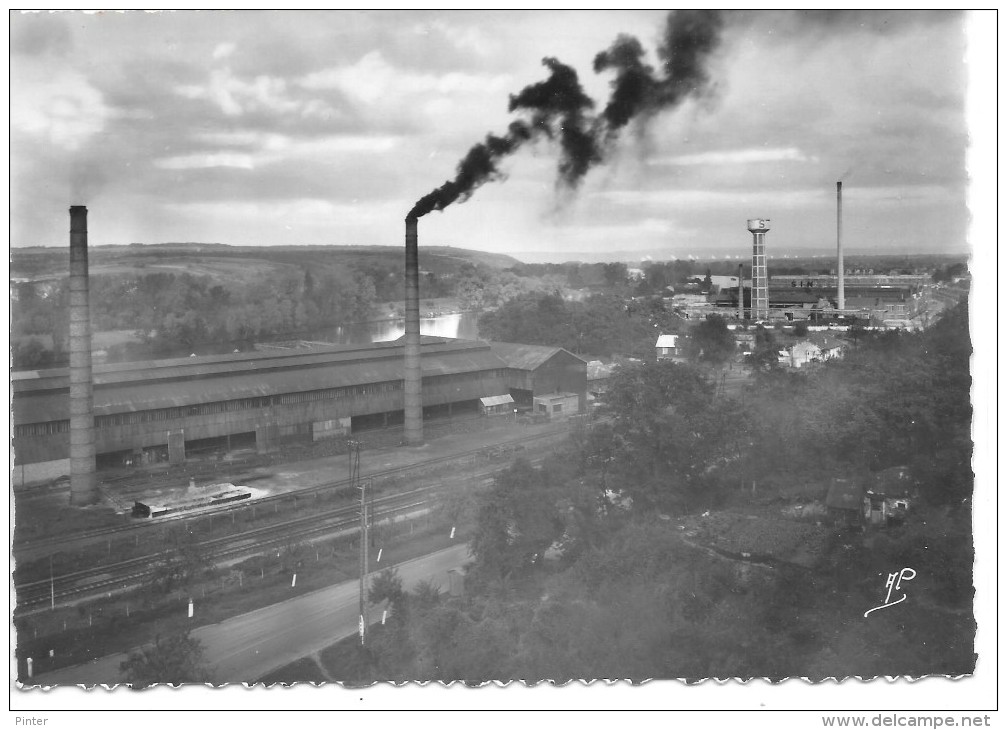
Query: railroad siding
(40, 471)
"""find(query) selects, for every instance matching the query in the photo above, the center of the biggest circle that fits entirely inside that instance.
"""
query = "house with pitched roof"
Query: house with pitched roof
(803, 352)
(667, 347)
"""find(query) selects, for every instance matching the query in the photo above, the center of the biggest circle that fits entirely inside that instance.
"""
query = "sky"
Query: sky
(324, 128)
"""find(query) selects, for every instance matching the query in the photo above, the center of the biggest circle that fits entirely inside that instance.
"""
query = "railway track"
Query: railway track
(134, 571)
(42, 546)
(36, 594)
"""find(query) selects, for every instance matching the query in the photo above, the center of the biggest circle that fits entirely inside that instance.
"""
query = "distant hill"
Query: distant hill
(633, 257)
(222, 261)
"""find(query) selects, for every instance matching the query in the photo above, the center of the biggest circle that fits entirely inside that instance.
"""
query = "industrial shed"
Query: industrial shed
(538, 370)
(497, 405)
(160, 410)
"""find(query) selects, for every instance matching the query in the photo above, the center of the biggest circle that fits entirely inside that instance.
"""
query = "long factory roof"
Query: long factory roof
(41, 396)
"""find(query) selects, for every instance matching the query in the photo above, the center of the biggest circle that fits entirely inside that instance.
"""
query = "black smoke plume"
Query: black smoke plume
(477, 167)
(634, 87)
(638, 91)
(690, 38)
(558, 109)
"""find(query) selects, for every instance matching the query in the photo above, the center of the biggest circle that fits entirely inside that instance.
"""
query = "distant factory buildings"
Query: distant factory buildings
(878, 299)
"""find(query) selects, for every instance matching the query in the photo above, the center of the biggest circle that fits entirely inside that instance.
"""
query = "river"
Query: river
(461, 325)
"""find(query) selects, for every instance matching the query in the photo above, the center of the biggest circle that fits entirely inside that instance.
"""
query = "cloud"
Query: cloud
(60, 107)
(213, 159)
(700, 199)
(236, 97)
(372, 78)
(38, 34)
(645, 228)
(242, 111)
(295, 221)
(469, 39)
(785, 199)
(310, 211)
(263, 148)
(738, 157)
(223, 50)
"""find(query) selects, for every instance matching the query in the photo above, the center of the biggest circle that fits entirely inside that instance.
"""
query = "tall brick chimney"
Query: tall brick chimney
(83, 483)
(413, 373)
(840, 267)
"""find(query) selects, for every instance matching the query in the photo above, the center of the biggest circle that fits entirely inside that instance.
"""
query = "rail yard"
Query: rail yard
(99, 573)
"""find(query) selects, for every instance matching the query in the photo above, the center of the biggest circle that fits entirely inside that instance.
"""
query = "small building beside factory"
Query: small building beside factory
(557, 405)
(497, 405)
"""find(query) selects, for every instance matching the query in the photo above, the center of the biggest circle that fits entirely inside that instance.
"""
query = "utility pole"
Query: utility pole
(364, 545)
(52, 587)
(354, 465)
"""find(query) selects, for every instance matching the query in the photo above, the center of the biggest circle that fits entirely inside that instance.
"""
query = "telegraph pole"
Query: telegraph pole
(364, 544)
(354, 453)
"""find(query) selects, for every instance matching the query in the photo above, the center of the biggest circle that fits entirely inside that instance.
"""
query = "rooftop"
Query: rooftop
(526, 357)
(192, 381)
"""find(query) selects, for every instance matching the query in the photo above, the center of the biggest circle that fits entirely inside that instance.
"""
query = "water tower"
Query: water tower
(760, 280)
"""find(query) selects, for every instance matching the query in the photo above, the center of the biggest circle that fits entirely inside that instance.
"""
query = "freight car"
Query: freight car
(146, 509)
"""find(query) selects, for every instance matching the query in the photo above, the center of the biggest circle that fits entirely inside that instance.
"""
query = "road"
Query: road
(246, 647)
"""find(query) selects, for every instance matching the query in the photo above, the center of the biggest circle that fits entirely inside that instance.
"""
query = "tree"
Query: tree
(30, 354)
(711, 341)
(764, 356)
(181, 560)
(175, 660)
(801, 328)
(470, 294)
(666, 434)
(387, 586)
(516, 521)
(615, 274)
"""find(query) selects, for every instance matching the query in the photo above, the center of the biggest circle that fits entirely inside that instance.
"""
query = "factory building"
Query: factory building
(164, 410)
(538, 370)
(804, 302)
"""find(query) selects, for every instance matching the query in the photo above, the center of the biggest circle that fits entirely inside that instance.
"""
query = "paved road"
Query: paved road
(247, 647)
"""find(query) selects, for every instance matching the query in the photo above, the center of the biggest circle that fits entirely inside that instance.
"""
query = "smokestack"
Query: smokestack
(413, 374)
(741, 293)
(760, 280)
(83, 484)
(839, 245)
